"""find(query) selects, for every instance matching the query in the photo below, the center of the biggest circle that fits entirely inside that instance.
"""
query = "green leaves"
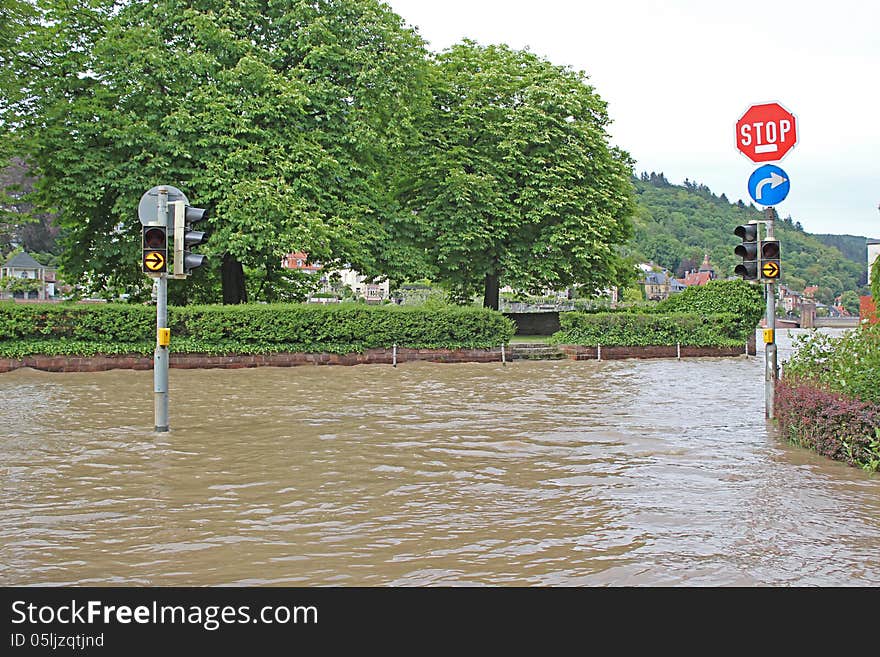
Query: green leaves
(652, 329)
(286, 119)
(246, 329)
(515, 176)
(719, 296)
(849, 365)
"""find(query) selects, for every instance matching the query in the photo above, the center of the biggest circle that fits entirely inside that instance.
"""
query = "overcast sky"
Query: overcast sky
(678, 74)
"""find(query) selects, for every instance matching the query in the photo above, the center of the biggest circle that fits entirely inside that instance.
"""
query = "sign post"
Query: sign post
(160, 355)
(771, 370)
(153, 211)
(766, 132)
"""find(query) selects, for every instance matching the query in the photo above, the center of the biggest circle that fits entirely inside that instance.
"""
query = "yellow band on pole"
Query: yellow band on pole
(164, 337)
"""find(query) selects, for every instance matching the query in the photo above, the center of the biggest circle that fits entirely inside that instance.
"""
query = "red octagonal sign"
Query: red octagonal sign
(765, 133)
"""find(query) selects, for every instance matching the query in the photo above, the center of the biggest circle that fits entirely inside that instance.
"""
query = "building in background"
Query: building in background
(873, 254)
(867, 304)
(23, 266)
(338, 280)
(700, 276)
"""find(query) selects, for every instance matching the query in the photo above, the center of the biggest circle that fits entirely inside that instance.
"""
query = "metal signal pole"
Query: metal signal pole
(771, 372)
(160, 355)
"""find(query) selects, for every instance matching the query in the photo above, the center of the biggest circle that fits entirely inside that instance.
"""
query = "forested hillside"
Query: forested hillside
(676, 225)
(852, 247)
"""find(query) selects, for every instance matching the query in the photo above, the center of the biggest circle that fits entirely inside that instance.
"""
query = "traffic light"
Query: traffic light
(155, 250)
(748, 251)
(185, 237)
(770, 267)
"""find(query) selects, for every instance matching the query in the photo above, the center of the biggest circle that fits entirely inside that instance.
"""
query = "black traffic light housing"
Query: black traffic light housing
(748, 251)
(770, 260)
(185, 238)
(154, 244)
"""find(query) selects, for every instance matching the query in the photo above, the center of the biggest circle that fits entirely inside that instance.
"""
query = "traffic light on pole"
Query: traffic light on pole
(185, 237)
(748, 251)
(770, 265)
(154, 242)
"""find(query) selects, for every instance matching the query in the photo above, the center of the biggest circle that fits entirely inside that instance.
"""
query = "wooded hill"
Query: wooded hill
(676, 225)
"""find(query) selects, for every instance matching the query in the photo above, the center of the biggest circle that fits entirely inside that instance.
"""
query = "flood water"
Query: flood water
(621, 473)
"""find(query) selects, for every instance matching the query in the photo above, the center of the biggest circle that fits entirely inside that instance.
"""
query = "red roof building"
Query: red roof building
(705, 274)
(300, 262)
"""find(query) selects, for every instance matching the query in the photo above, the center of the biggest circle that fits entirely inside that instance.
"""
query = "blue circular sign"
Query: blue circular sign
(769, 185)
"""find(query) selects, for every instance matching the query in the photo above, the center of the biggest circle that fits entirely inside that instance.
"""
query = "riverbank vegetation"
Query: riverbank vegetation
(828, 398)
(87, 330)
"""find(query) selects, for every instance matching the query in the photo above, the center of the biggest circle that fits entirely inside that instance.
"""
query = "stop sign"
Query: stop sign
(766, 132)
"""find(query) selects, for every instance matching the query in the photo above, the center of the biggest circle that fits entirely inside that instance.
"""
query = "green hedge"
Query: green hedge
(730, 296)
(718, 314)
(81, 329)
(645, 330)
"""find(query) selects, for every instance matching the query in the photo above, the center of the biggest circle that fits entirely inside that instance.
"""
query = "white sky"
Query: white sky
(678, 74)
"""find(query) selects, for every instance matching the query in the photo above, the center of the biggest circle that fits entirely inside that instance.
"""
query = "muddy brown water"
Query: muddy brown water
(637, 472)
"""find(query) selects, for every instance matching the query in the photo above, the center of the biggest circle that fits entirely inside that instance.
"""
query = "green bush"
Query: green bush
(645, 330)
(78, 329)
(849, 365)
(733, 296)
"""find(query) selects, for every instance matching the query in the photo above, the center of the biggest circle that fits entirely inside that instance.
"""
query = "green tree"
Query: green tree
(515, 182)
(719, 296)
(283, 117)
(850, 301)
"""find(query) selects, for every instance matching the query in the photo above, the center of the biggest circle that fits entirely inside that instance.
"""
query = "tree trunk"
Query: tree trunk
(232, 275)
(490, 295)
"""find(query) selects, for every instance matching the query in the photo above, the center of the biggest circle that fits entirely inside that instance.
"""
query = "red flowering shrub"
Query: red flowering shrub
(828, 422)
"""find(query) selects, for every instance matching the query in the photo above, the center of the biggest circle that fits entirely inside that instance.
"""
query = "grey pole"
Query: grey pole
(770, 371)
(160, 356)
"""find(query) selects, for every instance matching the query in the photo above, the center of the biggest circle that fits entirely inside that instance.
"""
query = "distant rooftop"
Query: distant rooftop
(23, 261)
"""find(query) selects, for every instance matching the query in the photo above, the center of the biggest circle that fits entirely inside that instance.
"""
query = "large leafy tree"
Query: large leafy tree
(515, 182)
(283, 117)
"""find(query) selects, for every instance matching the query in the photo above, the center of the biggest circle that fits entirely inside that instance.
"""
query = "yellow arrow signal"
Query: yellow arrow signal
(154, 261)
(770, 270)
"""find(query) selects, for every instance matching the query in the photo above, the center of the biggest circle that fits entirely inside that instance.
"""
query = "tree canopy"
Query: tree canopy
(282, 117)
(514, 181)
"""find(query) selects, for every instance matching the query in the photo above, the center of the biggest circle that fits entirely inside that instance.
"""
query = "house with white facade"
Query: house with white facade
(339, 279)
(873, 254)
(23, 266)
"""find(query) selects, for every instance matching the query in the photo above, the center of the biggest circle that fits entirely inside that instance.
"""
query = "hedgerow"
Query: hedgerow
(734, 296)
(645, 330)
(80, 329)
(718, 314)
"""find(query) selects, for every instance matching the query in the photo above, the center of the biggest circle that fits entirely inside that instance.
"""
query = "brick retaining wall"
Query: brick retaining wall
(580, 352)
(204, 361)
(371, 356)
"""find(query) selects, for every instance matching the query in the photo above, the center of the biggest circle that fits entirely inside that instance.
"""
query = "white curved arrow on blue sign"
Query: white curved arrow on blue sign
(769, 185)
